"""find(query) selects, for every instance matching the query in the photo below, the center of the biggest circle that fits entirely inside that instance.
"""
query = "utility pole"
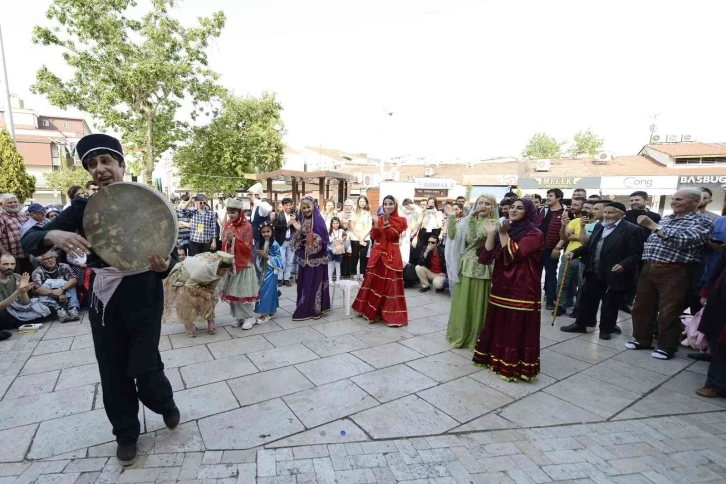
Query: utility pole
(9, 119)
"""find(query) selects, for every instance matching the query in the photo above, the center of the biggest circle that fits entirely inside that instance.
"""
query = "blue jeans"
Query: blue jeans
(571, 280)
(549, 266)
(72, 294)
(288, 256)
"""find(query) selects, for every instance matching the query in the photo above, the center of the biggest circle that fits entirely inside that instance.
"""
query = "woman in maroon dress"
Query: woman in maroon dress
(509, 343)
(381, 296)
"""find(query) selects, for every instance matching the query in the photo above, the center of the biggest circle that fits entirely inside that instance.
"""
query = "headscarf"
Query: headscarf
(241, 246)
(317, 225)
(456, 248)
(395, 221)
(202, 269)
(518, 228)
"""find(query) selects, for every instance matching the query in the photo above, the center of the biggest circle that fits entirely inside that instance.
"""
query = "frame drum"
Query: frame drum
(127, 222)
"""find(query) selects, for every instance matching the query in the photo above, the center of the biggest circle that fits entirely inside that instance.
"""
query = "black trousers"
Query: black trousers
(127, 351)
(346, 264)
(594, 291)
(198, 248)
(716, 376)
(359, 257)
(8, 321)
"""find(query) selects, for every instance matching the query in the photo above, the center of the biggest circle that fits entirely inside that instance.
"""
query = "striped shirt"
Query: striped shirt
(10, 227)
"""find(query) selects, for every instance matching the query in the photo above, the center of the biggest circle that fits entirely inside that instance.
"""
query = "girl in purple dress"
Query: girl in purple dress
(310, 244)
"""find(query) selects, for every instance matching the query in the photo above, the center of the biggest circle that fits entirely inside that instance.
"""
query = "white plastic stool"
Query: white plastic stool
(346, 285)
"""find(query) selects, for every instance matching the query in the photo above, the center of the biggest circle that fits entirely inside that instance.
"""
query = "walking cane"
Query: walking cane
(559, 292)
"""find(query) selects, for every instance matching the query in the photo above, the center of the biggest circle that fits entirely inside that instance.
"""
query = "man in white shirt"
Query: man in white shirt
(284, 230)
(259, 209)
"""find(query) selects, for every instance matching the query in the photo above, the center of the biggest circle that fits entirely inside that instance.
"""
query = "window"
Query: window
(46, 123)
(704, 160)
(66, 124)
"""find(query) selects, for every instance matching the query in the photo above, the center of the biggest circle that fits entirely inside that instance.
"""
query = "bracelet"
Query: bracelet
(557, 248)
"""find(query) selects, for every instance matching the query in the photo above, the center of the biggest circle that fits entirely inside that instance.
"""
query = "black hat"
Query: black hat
(200, 198)
(94, 142)
(617, 205)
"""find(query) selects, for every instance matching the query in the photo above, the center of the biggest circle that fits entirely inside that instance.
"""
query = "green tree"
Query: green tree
(131, 71)
(13, 176)
(245, 136)
(66, 177)
(542, 146)
(586, 143)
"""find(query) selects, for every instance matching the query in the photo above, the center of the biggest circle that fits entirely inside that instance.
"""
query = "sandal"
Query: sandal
(634, 345)
(191, 330)
(211, 328)
(661, 355)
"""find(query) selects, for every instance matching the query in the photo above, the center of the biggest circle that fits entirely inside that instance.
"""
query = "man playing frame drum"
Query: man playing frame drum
(126, 307)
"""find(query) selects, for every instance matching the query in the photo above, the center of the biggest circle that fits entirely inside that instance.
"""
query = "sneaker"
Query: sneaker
(263, 319)
(249, 323)
(5, 334)
(126, 453)
(73, 314)
(171, 419)
(236, 323)
(63, 316)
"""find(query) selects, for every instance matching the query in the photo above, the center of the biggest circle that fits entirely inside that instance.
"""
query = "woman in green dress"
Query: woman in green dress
(473, 280)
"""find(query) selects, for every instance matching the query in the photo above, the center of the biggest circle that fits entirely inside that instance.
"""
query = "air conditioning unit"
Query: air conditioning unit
(469, 164)
(686, 137)
(429, 171)
(655, 138)
(672, 138)
(367, 180)
(603, 157)
(543, 165)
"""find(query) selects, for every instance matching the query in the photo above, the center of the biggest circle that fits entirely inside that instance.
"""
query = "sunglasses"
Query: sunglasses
(432, 243)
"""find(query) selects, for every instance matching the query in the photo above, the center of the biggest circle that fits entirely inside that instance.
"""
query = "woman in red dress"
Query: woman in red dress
(381, 296)
(509, 343)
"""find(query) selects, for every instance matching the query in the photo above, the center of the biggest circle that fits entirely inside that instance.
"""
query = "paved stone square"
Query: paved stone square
(339, 400)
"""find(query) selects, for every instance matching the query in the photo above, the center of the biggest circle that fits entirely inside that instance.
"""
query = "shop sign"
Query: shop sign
(703, 180)
(434, 183)
(559, 182)
(424, 193)
(640, 182)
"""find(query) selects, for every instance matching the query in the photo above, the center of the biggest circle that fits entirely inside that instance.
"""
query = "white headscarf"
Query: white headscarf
(455, 248)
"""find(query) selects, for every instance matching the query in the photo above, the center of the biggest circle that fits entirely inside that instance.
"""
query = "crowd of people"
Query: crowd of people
(500, 261)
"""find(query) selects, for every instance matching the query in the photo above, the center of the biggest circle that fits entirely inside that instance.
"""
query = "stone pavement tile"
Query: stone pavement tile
(218, 471)
(334, 368)
(381, 335)
(196, 403)
(168, 474)
(667, 402)
(216, 371)
(268, 385)
(309, 478)
(617, 341)
(191, 465)
(465, 399)
(584, 351)
(597, 396)
(13, 469)
(286, 322)
(185, 438)
(356, 476)
(387, 355)
(38, 408)
(65, 330)
(384, 475)
(246, 472)
(138, 475)
(14, 442)
(626, 376)
(266, 463)
(86, 465)
(186, 356)
(5, 382)
(277, 480)
(516, 389)
(338, 328)
(87, 477)
(65, 478)
(393, 382)
(24, 386)
(686, 383)
(431, 456)
(181, 340)
(70, 433)
(31, 473)
(367, 461)
(310, 451)
(560, 472)
(541, 409)
(250, 426)
(439, 442)
(553, 332)
(145, 445)
(268, 327)
(642, 359)
(301, 466)
(284, 454)
(239, 457)
(486, 422)
(239, 346)
(628, 414)
(336, 346)
(78, 376)
(353, 449)
(399, 467)
(700, 367)
(420, 443)
(58, 361)
(53, 346)
(330, 433)
(165, 460)
(426, 325)
(427, 344)
(164, 343)
(408, 452)
(560, 366)
(407, 417)
(279, 357)
(329, 402)
(110, 473)
(378, 447)
(293, 336)
(174, 379)
(444, 366)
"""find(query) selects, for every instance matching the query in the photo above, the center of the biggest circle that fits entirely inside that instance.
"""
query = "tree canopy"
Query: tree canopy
(14, 177)
(244, 136)
(131, 70)
(586, 143)
(66, 177)
(542, 146)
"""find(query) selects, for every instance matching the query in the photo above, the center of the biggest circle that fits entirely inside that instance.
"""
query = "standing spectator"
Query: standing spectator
(11, 223)
(184, 216)
(462, 201)
(548, 222)
(260, 209)
(712, 324)
(706, 197)
(610, 258)
(452, 252)
(55, 283)
(36, 216)
(579, 192)
(51, 213)
(431, 268)
(284, 232)
(204, 228)
(74, 191)
(414, 215)
(330, 212)
(360, 226)
(673, 255)
(570, 240)
(13, 287)
(91, 188)
(336, 249)
(432, 221)
(504, 210)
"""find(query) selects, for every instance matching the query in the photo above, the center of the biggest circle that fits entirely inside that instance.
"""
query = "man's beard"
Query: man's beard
(11, 209)
(7, 272)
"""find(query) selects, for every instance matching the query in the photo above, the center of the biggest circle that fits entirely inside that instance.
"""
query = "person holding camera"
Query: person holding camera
(431, 268)
(204, 228)
(432, 221)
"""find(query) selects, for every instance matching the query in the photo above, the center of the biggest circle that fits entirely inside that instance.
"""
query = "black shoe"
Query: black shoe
(574, 314)
(286, 283)
(126, 453)
(5, 334)
(550, 306)
(626, 309)
(439, 291)
(700, 356)
(573, 328)
(425, 289)
(559, 312)
(604, 335)
(617, 330)
(279, 283)
(171, 419)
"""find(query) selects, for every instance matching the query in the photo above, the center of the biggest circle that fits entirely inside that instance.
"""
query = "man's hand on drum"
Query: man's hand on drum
(158, 263)
(69, 242)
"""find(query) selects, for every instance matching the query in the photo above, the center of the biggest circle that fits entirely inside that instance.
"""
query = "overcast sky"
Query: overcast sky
(464, 78)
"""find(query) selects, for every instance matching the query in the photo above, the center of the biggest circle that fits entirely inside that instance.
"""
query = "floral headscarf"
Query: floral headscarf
(241, 245)
(317, 224)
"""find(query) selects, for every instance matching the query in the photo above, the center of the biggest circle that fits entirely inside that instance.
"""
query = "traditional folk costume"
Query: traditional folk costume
(268, 269)
(190, 291)
(471, 280)
(239, 287)
(310, 244)
(381, 295)
(509, 344)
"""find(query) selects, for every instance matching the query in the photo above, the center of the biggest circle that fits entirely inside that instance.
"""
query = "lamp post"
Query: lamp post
(10, 124)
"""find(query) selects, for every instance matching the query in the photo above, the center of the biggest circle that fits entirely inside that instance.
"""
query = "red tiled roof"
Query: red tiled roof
(690, 149)
(622, 165)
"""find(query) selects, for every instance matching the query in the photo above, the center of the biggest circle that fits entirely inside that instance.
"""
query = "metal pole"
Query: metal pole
(10, 124)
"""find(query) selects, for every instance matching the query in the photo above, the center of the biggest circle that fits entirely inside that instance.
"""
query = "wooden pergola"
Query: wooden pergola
(295, 182)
